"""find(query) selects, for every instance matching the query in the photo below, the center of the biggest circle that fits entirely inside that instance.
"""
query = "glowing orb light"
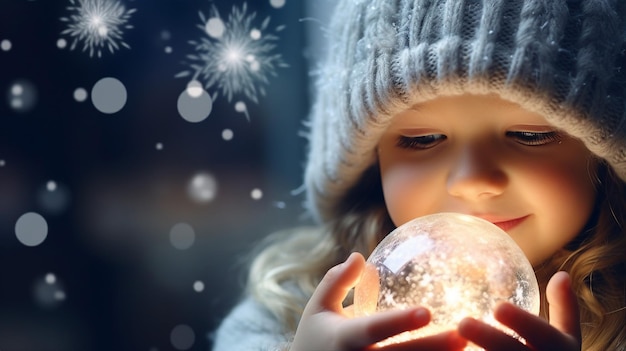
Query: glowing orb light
(455, 265)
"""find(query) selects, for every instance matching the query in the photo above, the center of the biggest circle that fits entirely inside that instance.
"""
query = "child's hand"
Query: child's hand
(326, 326)
(562, 333)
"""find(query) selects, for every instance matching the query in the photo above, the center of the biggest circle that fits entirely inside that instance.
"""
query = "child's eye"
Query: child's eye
(420, 142)
(535, 138)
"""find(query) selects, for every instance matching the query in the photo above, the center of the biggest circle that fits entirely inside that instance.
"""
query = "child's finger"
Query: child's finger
(535, 330)
(365, 331)
(563, 305)
(487, 336)
(377, 327)
(335, 285)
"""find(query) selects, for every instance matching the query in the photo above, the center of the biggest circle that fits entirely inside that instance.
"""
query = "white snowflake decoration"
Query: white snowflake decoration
(233, 56)
(98, 24)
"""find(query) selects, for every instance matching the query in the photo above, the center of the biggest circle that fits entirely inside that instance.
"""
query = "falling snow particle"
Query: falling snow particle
(53, 198)
(198, 286)
(182, 236)
(31, 229)
(241, 107)
(5, 45)
(22, 96)
(227, 134)
(202, 187)
(50, 278)
(168, 49)
(98, 24)
(80, 94)
(255, 34)
(194, 108)
(108, 95)
(256, 194)
(182, 337)
(61, 43)
(48, 292)
(234, 57)
(159, 146)
(3, 163)
(215, 27)
(194, 89)
(277, 3)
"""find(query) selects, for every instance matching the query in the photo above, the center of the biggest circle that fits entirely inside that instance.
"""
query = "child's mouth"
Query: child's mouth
(510, 224)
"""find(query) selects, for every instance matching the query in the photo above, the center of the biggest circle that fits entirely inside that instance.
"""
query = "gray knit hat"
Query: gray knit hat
(563, 59)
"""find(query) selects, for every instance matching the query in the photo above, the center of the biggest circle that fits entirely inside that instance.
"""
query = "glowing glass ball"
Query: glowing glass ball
(455, 265)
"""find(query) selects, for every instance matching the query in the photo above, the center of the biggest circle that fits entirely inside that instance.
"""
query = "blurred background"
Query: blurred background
(145, 148)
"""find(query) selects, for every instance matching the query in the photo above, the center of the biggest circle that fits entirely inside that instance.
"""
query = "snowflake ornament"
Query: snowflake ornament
(234, 56)
(98, 24)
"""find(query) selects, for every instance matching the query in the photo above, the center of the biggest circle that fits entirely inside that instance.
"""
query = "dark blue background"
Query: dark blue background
(126, 286)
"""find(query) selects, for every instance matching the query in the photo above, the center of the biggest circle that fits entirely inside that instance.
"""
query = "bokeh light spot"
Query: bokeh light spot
(48, 291)
(215, 27)
(227, 134)
(277, 3)
(198, 286)
(31, 229)
(256, 194)
(182, 337)
(159, 146)
(108, 95)
(194, 89)
(53, 197)
(50, 278)
(80, 94)
(202, 187)
(22, 96)
(182, 236)
(103, 31)
(17, 90)
(61, 43)
(255, 34)
(194, 109)
(240, 106)
(166, 35)
(5, 45)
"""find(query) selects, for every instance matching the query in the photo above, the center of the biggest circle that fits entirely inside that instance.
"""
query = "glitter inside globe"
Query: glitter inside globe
(455, 265)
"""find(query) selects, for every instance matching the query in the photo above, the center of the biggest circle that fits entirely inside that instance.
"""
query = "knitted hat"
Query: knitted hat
(565, 60)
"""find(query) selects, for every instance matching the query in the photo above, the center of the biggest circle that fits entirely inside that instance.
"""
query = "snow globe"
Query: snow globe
(455, 265)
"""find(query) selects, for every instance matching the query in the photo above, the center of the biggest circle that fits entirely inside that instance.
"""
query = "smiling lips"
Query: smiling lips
(503, 223)
(509, 224)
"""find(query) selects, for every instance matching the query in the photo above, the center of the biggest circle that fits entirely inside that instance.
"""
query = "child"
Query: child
(510, 110)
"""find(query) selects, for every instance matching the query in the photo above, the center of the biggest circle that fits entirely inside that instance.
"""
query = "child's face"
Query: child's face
(484, 156)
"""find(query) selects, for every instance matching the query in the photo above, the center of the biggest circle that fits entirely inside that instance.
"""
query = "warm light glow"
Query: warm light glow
(455, 265)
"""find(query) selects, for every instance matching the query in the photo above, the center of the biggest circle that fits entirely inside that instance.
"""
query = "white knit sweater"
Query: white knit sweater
(250, 327)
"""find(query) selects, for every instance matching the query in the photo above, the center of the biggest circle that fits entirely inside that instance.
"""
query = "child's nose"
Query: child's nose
(476, 174)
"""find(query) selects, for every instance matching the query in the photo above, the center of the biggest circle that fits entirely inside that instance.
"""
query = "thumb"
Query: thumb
(334, 287)
(563, 305)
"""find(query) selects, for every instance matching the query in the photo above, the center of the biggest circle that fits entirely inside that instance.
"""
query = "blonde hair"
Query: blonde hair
(290, 264)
